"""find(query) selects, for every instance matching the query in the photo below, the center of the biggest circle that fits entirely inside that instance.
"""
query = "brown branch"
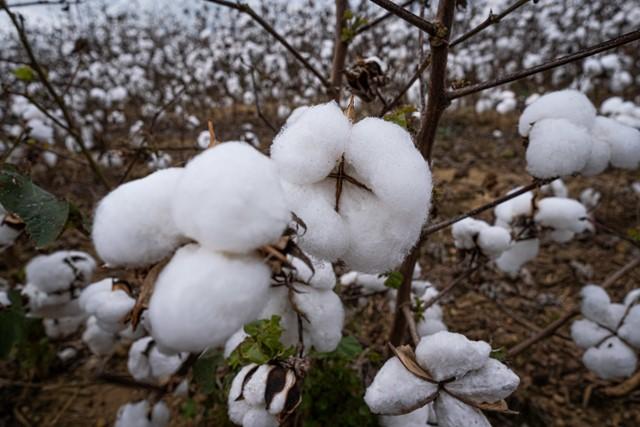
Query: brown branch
(245, 8)
(447, 289)
(381, 18)
(411, 322)
(570, 313)
(537, 183)
(340, 48)
(430, 28)
(256, 99)
(518, 75)
(623, 388)
(421, 69)
(56, 97)
(45, 3)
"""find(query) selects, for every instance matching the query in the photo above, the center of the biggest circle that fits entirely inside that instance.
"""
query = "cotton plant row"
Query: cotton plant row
(609, 333)
(449, 380)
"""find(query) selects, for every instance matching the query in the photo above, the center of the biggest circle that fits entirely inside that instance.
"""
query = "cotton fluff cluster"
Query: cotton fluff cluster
(609, 332)
(563, 216)
(228, 200)
(140, 414)
(566, 137)
(148, 364)
(312, 297)
(461, 371)
(431, 319)
(470, 234)
(261, 395)
(8, 232)
(373, 227)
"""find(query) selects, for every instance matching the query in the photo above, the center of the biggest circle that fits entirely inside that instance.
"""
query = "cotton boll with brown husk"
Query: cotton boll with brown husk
(230, 199)
(202, 297)
(133, 225)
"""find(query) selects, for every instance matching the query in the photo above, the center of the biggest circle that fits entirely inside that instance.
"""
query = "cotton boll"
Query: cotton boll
(521, 205)
(556, 187)
(446, 355)
(203, 140)
(611, 360)
(562, 214)
(109, 306)
(570, 105)
(491, 383)
(325, 315)
(598, 159)
(99, 341)
(590, 198)
(160, 415)
(279, 400)
(322, 276)
(417, 418)
(493, 241)
(632, 297)
(466, 232)
(630, 329)
(308, 147)
(384, 156)
(234, 341)
(139, 415)
(254, 389)
(133, 225)
(62, 327)
(595, 304)
(146, 363)
(624, 141)
(561, 236)
(396, 391)
(202, 297)
(258, 417)
(60, 270)
(557, 147)
(430, 326)
(238, 407)
(454, 413)
(326, 236)
(229, 198)
(520, 253)
(371, 282)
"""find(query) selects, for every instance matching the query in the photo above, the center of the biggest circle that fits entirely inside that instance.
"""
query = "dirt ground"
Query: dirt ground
(471, 166)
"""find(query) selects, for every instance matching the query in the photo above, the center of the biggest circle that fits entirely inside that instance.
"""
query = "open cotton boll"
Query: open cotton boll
(630, 329)
(417, 418)
(454, 413)
(60, 270)
(322, 276)
(133, 225)
(109, 306)
(140, 415)
(632, 297)
(517, 255)
(556, 187)
(238, 407)
(396, 391)
(492, 382)
(611, 360)
(590, 198)
(430, 326)
(557, 147)
(508, 211)
(255, 387)
(326, 236)
(493, 241)
(595, 304)
(308, 147)
(146, 363)
(296, 114)
(325, 314)
(62, 327)
(384, 156)
(562, 214)
(586, 333)
(623, 141)
(466, 232)
(202, 297)
(571, 105)
(99, 341)
(258, 417)
(447, 355)
(229, 198)
(598, 159)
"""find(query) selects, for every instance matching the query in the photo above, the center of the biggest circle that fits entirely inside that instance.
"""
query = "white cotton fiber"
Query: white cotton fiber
(611, 360)
(279, 400)
(254, 388)
(99, 341)
(395, 390)
(109, 306)
(229, 198)
(60, 270)
(133, 225)
(595, 304)
(309, 146)
(430, 326)
(384, 156)
(62, 327)
(590, 198)
(417, 418)
(146, 363)
(518, 254)
(454, 413)
(508, 211)
(493, 241)
(632, 297)
(238, 407)
(258, 417)
(326, 235)
(557, 147)
(465, 232)
(598, 159)
(491, 383)
(623, 141)
(322, 277)
(561, 213)
(140, 415)
(325, 313)
(586, 333)
(446, 354)
(202, 297)
(571, 105)
(630, 329)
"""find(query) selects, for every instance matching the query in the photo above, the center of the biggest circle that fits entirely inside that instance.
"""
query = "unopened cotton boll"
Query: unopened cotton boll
(202, 297)
(447, 355)
(133, 225)
(623, 141)
(308, 147)
(229, 198)
(570, 105)
(325, 315)
(517, 255)
(60, 271)
(611, 360)
(557, 147)
(561, 213)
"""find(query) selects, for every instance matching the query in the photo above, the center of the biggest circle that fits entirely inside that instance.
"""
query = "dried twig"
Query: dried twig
(381, 18)
(430, 28)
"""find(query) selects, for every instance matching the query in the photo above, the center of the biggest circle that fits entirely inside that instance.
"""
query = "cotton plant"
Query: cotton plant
(263, 395)
(143, 414)
(146, 363)
(448, 371)
(342, 180)
(491, 241)
(566, 136)
(609, 333)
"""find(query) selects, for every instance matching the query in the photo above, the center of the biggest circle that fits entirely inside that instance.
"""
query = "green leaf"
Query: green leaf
(499, 354)
(399, 115)
(204, 372)
(44, 215)
(24, 73)
(394, 280)
(634, 234)
(262, 345)
(189, 409)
